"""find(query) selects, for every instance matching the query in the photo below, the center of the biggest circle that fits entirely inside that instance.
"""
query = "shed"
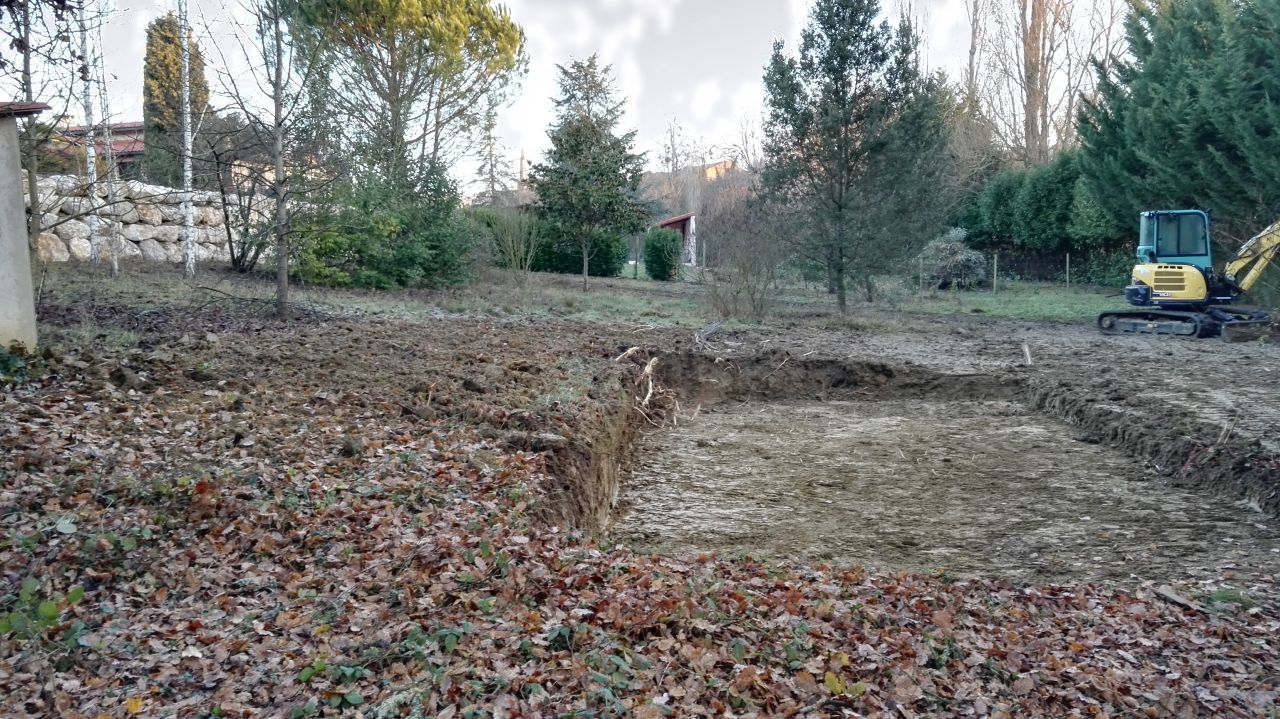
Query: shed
(687, 226)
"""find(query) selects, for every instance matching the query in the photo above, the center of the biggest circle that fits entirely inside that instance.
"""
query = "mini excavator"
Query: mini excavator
(1176, 291)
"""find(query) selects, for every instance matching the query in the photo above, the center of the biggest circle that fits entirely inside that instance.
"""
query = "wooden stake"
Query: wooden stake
(995, 272)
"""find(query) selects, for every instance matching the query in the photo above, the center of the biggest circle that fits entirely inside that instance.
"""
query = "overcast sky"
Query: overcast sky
(696, 61)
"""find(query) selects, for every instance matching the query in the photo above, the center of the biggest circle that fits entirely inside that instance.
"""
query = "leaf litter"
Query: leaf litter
(332, 519)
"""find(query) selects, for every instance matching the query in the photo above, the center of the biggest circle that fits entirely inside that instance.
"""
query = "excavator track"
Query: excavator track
(1231, 323)
(1152, 322)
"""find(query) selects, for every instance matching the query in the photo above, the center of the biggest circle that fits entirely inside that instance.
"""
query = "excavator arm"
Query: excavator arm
(1252, 259)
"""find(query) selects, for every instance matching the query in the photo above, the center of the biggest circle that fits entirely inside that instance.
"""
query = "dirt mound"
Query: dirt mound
(706, 379)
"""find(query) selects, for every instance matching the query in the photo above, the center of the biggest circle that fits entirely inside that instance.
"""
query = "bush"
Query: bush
(948, 262)
(1104, 269)
(385, 237)
(662, 250)
(1090, 226)
(560, 252)
(1043, 209)
(997, 206)
(517, 236)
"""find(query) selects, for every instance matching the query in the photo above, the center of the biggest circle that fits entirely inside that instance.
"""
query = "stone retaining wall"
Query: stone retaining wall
(145, 220)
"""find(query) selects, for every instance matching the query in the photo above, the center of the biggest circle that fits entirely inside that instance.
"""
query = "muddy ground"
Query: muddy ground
(209, 501)
(967, 488)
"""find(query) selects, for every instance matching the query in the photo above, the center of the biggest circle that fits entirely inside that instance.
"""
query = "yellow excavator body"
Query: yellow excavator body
(1172, 283)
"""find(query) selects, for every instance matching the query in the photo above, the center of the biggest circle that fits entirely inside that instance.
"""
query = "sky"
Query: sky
(698, 62)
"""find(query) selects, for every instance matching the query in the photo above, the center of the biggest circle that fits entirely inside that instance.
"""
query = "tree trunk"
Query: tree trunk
(32, 144)
(188, 221)
(90, 147)
(869, 287)
(831, 272)
(1034, 93)
(975, 38)
(586, 261)
(842, 296)
(280, 181)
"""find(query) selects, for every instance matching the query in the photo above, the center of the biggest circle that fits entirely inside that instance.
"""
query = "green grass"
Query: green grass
(617, 300)
(1041, 301)
(1036, 301)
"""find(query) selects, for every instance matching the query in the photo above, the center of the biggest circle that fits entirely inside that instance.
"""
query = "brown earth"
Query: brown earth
(242, 500)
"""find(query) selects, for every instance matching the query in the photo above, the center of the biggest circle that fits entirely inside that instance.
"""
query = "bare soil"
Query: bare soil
(963, 487)
(214, 503)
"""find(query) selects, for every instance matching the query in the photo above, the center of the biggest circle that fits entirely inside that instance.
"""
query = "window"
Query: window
(1182, 235)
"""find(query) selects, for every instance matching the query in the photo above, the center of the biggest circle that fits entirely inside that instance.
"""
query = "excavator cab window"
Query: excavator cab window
(1182, 236)
(1179, 236)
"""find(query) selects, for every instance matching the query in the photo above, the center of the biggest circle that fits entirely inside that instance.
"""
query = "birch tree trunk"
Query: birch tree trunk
(280, 181)
(90, 145)
(188, 223)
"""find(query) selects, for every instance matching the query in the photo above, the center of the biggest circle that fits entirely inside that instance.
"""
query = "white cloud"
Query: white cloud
(696, 61)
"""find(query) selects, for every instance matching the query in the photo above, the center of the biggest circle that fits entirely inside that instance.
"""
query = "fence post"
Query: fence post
(995, 272)
(1068, 269)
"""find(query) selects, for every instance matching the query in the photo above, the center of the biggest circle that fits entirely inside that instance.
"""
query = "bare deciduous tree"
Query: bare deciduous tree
(274, 109)
(1030, 65)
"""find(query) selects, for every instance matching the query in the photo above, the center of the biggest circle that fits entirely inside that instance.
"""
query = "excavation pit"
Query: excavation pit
(898, 470)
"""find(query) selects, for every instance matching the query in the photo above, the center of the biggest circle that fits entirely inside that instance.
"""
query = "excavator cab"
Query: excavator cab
(1176, 237)
(1175, 265)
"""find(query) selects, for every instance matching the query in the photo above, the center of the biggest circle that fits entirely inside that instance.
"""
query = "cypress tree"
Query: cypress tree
(1189, 118)
(162, 99)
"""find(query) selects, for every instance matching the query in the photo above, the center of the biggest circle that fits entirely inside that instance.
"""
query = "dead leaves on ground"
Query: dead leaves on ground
(274, 536)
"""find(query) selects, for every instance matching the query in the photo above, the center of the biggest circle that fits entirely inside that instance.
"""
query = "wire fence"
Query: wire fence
(1096, 268)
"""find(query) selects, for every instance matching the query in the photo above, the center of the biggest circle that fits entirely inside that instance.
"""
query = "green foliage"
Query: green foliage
(997, 207)
(162, 99)
(1090, 226)
(15, 366)
(414, 69)
(947, 262)
(1047, 209)
(1103, 268)
(516, 234)
(1042, 209)
(31, 614)
(1186, 116)
(589, 183)
(562, 253)
(662, 249)
(382, 236)
(857, 133)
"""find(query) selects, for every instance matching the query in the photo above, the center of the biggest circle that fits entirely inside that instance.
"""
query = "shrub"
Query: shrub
(517, 235)
(1090, 226)
(1043, 210)
(997, 206)
(1111, 268)
(662, 249)
(560, 252)
(948, 262)
(384, 237)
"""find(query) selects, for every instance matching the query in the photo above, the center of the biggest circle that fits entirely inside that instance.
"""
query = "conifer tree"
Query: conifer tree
(162, 100)
(1188, 118)
(588, 184)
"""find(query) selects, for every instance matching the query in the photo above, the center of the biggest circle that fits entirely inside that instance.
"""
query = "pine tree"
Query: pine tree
(1188, 118)
(854, 131)
(161, 100)
(493, 172)
(588, 184)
